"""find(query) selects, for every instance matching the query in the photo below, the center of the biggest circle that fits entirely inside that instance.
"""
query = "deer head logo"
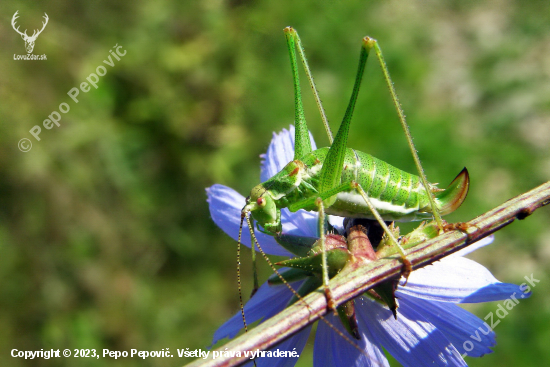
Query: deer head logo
(29, 41)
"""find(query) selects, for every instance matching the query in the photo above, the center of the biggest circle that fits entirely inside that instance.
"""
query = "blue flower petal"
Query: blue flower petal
(410, 339)
(474, 246)
(332, 350)
(300, 223)
(457, 280)
(268, 301)
(279, 153)
(469, 334)
(225, 209)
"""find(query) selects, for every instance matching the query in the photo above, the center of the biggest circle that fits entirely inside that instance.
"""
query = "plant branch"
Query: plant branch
(351, 282)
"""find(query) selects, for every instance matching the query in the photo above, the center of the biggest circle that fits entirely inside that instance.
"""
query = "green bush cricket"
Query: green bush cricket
(342, 181)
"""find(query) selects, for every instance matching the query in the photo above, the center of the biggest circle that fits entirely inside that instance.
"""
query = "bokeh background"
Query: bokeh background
(105, 235)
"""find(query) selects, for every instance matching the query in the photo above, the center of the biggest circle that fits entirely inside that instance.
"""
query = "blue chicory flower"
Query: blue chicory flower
(430, 328)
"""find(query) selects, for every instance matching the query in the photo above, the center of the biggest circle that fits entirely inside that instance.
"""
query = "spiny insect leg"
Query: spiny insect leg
(302, 144)
(374, 44)
(331, 172)
(407, 266)
(291, 32)
(328, 294)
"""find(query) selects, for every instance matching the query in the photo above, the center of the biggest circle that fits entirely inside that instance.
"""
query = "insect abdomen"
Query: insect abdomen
(398, 195)
(384, 182)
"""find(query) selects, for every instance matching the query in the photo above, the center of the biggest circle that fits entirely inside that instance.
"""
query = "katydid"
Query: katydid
(341, 181)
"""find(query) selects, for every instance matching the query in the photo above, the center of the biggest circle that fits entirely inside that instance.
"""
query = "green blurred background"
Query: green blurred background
(105, 235)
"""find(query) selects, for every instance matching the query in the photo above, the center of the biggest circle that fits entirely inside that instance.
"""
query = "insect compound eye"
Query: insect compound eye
(261, 202)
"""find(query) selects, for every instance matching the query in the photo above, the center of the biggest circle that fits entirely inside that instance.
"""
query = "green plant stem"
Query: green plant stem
(353, 281)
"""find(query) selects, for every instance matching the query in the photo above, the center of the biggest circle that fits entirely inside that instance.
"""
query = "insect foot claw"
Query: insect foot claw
(459, 226)
(406, 269)
(331, 305)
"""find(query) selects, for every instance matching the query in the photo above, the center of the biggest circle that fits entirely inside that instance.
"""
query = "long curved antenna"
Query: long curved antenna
(239, 272)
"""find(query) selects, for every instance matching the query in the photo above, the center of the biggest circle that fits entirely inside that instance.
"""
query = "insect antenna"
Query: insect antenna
(243, 215)
(239, 272)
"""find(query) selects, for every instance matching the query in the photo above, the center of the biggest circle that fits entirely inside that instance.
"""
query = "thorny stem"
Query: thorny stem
(354, 282)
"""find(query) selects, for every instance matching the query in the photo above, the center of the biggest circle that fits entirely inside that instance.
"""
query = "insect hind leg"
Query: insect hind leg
(294, 42)
(407, 266)
(319, 201)
(331, 305)
(435, 211)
